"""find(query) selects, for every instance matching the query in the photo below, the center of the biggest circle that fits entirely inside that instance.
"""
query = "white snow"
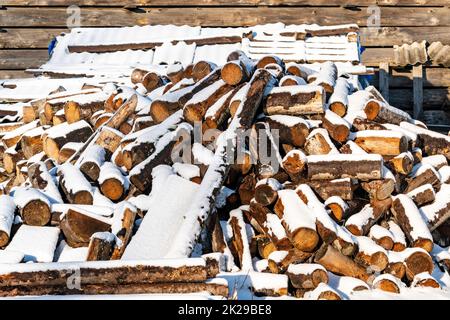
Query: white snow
(274, 226)
(444, 172)
(436, 161)
(289, 121)
(74, 180)
(10, 256)
(322, 287)
(69, 254)
(361, 218)
(38, 244)
(304, 268)
(296, 213)
(377, 232)
(23, 196)
(7, 210)
(278, 256)
(429, 212)
(396, 231)
(93, 153)
(368, 246)
(204, 94)
(186, 170)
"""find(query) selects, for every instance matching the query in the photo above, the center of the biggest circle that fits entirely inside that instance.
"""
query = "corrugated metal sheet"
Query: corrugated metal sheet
(439, 53)
(410, 54)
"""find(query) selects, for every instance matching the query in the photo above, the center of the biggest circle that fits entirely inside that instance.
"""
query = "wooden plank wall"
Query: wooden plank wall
(27, 26)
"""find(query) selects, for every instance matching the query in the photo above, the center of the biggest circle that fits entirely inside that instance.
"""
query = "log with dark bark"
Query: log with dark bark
(100, 246)
(306, 276)
(75, 186)
(238, 68)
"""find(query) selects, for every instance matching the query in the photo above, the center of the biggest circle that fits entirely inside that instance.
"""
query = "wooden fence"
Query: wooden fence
(27, 26)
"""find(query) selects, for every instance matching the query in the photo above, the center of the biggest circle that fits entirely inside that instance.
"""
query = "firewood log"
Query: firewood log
(318, 142)
(13, 137)
(338, 128)
(420, 175)
(327, 76)
(382, 236)
(78, 226)
(383, 112)
(201, 69)
(335, 166)
(7, 218)
(153, 80)
(140, 175)
(328, 230)
(371, 255)
(137, 75)
(437, 212)
(83, 107)
(398, 236)
(410, 220)
(122, 225)
(432, 142)
(11, 157)
(196, 108)
(102, 272)
(417, 261)
(74, 185)
(300, 70)
(306, 276)
(396, 265)
(388, 283)
(108, 138)
(176, 72)
(362, 124)
(342, 187)
(237, 98)
(425, 280)
(422, 195)
(264, 61)
(91, 161)
(360, 223)
(112, 182)
(323, 292)
(31, 142)
(384, 142)
(334, 261)
(68, 150)
(57, 136)
(402, 163)
(338, 207)
(40, 178)
(301, 228)
(33, 206)
(279, 261)
(290, 80)
(292, 130)
(266, 191)
(339, 99)
(100, 246)
(295, 101)
(238, 68)
(294, 163)
(382, 188)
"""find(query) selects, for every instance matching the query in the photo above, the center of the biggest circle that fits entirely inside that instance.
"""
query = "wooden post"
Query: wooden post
(384, 80)
(418, 91)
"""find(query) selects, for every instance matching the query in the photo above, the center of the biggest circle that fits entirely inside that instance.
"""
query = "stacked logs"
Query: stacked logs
(332, 182)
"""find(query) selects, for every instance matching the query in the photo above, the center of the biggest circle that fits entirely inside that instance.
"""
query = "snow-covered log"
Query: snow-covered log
(33, 205)
(75, 186)
(337, 127)
(238, 69)
(291, 130)
(91, 161)
(306, 275)
(8, 208)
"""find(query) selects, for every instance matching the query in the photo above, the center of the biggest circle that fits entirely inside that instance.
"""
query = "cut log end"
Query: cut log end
(339, 108)
(112, 188)
(232, 73)
(372, 109)
(83, 197)
(387, 285)
(36, 213)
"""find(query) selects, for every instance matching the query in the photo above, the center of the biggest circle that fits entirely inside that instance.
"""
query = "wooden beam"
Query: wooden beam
(432, 77)
(418, 91)
(22, 59)
(222, 16)
(384, 80)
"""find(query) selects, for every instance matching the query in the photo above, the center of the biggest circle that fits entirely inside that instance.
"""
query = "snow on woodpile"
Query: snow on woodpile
(133, 168)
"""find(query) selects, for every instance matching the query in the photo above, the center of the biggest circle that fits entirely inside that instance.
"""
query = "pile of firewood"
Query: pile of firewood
(355, 187)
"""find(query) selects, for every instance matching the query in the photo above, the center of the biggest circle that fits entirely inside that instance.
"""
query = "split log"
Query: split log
(297, 220)
(437, 212)
(240, 240)
(6, 218)
(13, 137)
(237, 98)
(425, 280)
(295, 101)
(420, 175)
(238, 68)
(388, 283)
(56, 137)
(33, 206)
(383, 142)
(100, 246)
(108, 138)
(411, 222)
(371, 255)
(217, 115)
(83, 107)
(294, 163)
(382, 111)
(338, 128)
(11, 157)
(68, 150)
(402, 163)
(122, 226)
(422, 195)
(79, 225)
(334, 261)
(335, 166)
(74, 185)
(107, 273)
(279, 261)
(360, 223)
(339, 99)
(291, 130)
(382, 236)
(323, 292)
(318, 142)
(91, 160)
(247, 189)
(338, 207)
(31, 142)
(40, 178)
(432, 142)
(112, 182)
(306, 276)
(382, 188)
